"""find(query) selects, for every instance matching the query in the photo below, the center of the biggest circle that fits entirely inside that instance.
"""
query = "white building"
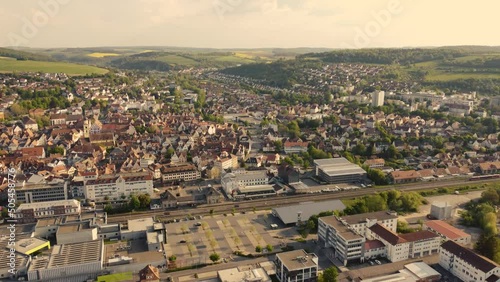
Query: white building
(405, 246)
(467, 265)
(378, 98)
(296, 266)
(69, 262)
(116, 187)
(232, 182)
(33, 211)
(440, 210)
(345, 236)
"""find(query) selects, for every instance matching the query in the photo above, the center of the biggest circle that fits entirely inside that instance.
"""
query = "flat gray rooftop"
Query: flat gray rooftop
(289, 214)
(338, 166)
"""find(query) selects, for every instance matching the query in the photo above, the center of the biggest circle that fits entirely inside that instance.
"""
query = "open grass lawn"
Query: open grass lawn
(7, 65)
(115, 277)
(102, 55)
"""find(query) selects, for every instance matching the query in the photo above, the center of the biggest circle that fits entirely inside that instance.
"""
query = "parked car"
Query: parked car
(371, 262)
(378, 262)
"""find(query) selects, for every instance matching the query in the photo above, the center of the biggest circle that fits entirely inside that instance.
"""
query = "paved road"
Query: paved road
(237, 262)
(278, 201)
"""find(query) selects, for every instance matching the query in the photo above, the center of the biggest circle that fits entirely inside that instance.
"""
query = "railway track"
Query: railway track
(272, 202)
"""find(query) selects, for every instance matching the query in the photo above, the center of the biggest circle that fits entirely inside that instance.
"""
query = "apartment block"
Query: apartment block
(467, 265)
(118, 186)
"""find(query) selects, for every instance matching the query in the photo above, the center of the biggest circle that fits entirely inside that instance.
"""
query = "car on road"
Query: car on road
(378, 262)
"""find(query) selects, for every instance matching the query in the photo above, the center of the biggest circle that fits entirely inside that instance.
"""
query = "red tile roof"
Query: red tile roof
(418, 236)
(373, 244)
(386, 234)
(446, 230)
(477, 261)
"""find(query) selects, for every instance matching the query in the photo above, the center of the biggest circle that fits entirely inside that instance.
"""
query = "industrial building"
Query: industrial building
(145, 228)
(440, 210)
(69, 262)
(303, 211)
(297, 266)
(338, 170)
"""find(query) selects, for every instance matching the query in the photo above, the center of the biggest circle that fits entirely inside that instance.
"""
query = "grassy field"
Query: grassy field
(7, 66)
(102, 55)
(115, 277)
(436, 73)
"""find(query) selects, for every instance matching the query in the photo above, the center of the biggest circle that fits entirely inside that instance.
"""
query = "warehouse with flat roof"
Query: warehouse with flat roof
(338, 170)
(69, 262)
(303, 211)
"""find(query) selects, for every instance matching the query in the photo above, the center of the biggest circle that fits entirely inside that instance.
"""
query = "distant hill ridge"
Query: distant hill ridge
(23, 56)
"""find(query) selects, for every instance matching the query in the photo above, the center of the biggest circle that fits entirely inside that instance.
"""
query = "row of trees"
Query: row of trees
(402, 202)
(135, 202)
(482, 214)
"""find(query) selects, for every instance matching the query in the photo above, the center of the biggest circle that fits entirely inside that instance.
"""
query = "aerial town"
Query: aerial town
(189, 176)
(249, 141)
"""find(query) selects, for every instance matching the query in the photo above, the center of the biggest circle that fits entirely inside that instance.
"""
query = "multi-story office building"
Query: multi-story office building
(183, 172)
(116, 187)
(338, 170)
(467, 265)
(296, 266)
(345, 237)
(42, 192)
(32, 212)
(341, 241)
(404, 246)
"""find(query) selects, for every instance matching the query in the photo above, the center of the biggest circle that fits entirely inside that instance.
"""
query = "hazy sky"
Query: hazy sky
(248, 23)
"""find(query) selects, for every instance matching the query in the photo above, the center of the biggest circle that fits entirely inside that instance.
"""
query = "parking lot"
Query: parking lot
(192, 241)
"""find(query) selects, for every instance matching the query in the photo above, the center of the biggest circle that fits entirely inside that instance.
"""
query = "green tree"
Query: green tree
(214, 257)
(269, 247)
(375, 203)
(134, 203)
(489, 246)
(108, 208)
(145, 200)
(329, 275)
(258, 249)
(490, 196)
(172, 258)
